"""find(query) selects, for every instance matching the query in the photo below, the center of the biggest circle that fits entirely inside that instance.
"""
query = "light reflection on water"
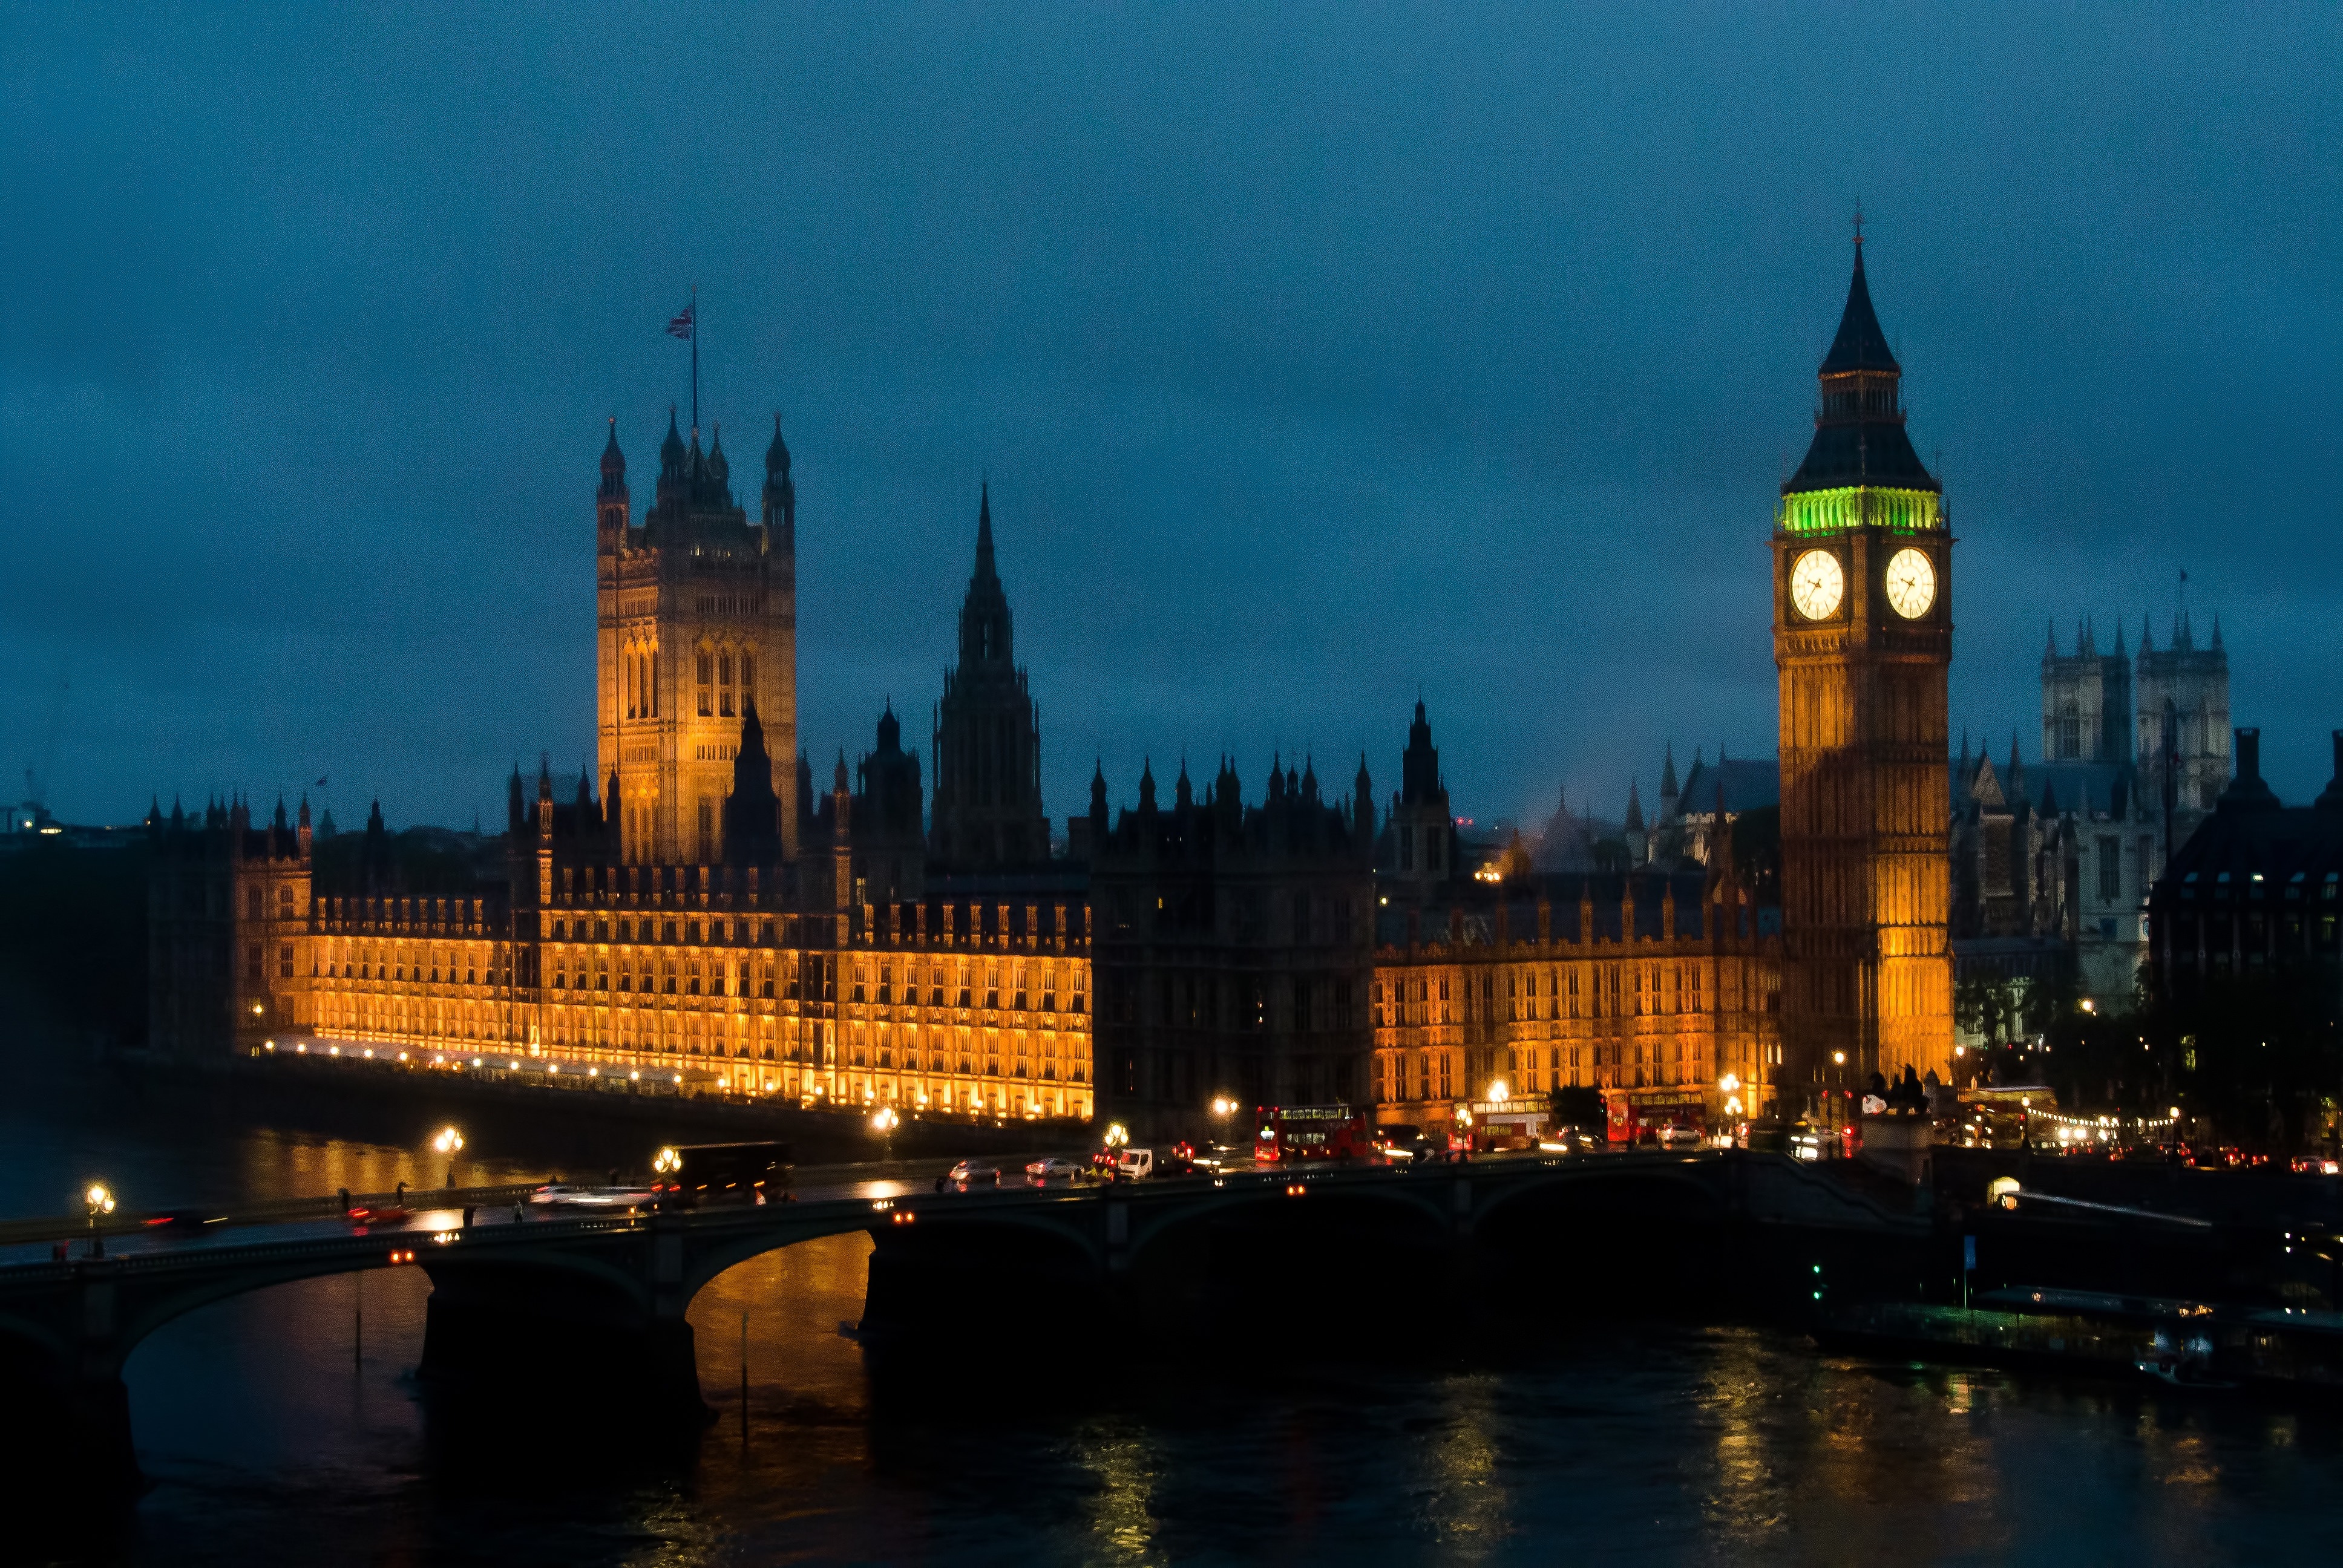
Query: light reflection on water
(287, 1426)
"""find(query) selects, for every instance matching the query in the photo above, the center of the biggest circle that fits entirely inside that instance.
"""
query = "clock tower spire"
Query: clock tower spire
(1862, 642)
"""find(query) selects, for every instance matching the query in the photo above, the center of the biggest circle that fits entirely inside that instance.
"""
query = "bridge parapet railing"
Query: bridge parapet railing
(275, 1210)
(51, 1228)
(266, 1212)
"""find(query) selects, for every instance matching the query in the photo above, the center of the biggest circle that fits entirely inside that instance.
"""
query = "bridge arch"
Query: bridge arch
(27, 1344)
(1282, 1256)
(710, 1259)
(1661, 1192)
(1404, 1203)
(1655, 1232)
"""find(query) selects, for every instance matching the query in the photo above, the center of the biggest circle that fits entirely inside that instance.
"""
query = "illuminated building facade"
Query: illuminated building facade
(1642, 981)
(696, 924)
(709, 976)
(1862, 642)
(713, 978)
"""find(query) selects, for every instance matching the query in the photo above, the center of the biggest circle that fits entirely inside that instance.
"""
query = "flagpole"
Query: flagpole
(695, 360)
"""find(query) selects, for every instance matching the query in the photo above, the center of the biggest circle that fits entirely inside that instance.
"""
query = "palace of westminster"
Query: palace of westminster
(696, 910)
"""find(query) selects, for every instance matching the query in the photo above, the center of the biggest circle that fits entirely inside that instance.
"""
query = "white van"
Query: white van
(1134, 1164)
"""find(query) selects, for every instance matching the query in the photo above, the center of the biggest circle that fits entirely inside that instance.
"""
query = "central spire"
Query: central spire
(985, 632)
(984, 569)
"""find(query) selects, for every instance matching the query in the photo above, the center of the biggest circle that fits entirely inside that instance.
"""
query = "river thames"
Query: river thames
(287, 1426)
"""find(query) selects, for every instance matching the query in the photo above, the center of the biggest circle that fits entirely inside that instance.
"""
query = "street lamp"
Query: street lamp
(883, 1121)
(99, 1201)
(667, 1161)
(448, 1144)
(1117, 1135)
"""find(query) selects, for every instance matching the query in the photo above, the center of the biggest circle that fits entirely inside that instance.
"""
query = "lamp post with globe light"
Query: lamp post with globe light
(448, 1143)
(883, 1121)
(1223, 1107)
(99, 1201)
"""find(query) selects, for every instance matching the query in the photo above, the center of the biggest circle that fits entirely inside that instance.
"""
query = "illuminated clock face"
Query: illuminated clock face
(1911, 583)
(1816, 584)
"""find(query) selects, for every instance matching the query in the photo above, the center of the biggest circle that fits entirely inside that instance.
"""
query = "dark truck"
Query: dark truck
(694, 1175)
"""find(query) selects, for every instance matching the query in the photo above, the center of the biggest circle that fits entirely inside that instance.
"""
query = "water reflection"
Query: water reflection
(1120, 1460)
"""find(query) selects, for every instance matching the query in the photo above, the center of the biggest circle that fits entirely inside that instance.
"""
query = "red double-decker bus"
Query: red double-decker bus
(1310, 1132)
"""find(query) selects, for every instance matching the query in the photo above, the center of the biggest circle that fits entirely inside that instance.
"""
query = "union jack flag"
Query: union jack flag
(681, 326)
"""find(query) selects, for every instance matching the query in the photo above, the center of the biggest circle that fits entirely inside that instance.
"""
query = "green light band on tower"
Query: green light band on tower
(1859, 507)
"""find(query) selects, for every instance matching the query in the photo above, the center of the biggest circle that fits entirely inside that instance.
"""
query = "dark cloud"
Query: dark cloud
(1317, 356)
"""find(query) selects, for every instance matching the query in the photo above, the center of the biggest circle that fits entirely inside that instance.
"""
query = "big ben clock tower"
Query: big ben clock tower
(1863, 638)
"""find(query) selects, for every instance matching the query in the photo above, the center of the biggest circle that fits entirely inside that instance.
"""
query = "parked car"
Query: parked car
(970, 1173)
(1057, 1168)
(2317, 1165)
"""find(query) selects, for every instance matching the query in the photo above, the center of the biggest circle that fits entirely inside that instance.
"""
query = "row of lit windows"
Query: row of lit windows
(1612, 991)
(255, 902)
(694, 932)
(381, 911)
(638, 670)
(255, 961)
(358, 961)
(716, 687)
(721, 979)
(1434, 1074)
(962, 979)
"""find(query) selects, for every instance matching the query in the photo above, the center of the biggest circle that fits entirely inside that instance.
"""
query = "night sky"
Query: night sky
(1318, 359)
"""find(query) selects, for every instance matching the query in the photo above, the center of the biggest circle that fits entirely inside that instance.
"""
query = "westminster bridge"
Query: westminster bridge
(592, 1308)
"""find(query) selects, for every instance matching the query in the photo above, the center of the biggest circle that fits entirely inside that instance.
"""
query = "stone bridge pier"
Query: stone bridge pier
(65, 1429)
(561, 1336)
